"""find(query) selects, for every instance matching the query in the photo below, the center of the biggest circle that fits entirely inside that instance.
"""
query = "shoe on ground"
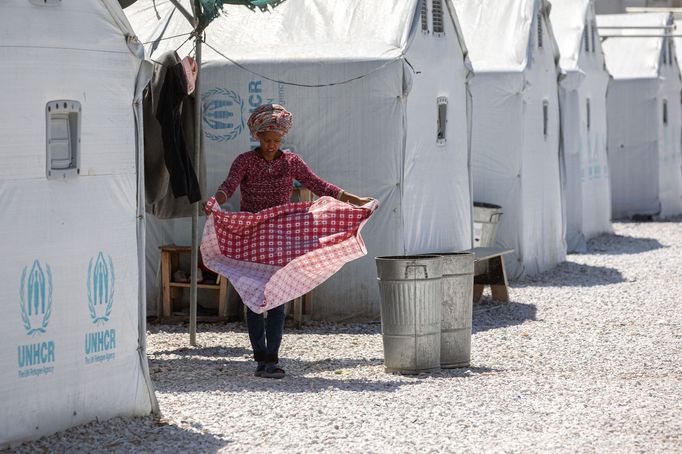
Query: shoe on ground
(273, 371)
(259, 370)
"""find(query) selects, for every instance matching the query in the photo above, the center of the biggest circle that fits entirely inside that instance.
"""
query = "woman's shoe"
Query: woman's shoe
(259, 370)
(272, 371)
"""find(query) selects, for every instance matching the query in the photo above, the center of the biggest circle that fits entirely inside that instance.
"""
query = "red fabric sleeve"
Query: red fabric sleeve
(307, 178)
(235, 177)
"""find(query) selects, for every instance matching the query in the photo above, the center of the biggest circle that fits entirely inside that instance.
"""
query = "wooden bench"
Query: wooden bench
(489, 270)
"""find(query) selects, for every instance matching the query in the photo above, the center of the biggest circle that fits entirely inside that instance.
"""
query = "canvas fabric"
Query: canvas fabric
(283, 252)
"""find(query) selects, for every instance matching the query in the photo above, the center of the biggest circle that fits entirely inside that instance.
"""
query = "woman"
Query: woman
(265, 176)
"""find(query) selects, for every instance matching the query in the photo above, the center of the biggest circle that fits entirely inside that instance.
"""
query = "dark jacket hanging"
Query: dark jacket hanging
(183, 179)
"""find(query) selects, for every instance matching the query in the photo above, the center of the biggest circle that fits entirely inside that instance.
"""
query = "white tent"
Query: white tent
(386, 116)
(515, 126)
(582, 97)
(73, 324)
(644, 115)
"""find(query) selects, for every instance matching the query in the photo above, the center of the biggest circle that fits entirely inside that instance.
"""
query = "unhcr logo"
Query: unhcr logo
(101, 280)
(224, 110)
(36, 298)
(99, 346)
(223, 114)
(35, 295)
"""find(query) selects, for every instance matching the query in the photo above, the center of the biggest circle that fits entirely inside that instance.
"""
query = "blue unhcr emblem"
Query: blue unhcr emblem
(223, 114)
(36, 298)
(101, 281)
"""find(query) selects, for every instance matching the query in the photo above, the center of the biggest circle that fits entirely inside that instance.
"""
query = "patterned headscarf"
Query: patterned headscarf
(270, 117)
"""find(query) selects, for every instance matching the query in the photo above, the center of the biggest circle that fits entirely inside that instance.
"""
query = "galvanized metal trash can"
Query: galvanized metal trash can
(486, 220)
(411, 299)
(458, 287)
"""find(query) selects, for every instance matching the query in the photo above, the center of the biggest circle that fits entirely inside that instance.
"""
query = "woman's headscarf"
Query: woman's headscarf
(270, 117)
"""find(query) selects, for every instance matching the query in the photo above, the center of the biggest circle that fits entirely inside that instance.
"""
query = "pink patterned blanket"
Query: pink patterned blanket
(281, 253)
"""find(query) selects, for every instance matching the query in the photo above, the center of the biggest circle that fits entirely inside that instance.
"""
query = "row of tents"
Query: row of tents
(431, 105)
(426, 105)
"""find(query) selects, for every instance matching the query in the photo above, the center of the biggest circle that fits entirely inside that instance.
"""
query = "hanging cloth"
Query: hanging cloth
(283, 252)
(183, 179)
(189, 70)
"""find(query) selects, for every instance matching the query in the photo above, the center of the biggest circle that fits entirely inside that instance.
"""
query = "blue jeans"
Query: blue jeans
(266, 334)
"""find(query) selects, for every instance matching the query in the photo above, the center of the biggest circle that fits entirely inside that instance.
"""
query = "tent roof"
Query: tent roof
(296, 30)
(497, 32)
(86, 22)
(568, 21)
(633, 58)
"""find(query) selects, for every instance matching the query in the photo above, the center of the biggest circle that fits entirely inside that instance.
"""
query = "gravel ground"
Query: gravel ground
(587, 357)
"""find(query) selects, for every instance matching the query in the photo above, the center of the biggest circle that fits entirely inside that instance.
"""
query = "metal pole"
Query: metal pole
(195, 212)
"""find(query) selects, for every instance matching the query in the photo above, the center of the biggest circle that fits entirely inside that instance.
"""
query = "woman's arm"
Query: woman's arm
(354, 199)
(231, 183)
(320, 187)
(307, 178)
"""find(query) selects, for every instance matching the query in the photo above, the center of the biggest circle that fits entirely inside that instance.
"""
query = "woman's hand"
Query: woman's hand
(355, 200)
(359, 201)
(220, 198)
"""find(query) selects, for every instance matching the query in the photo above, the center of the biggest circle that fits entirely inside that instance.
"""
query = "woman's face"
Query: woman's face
(269, 144)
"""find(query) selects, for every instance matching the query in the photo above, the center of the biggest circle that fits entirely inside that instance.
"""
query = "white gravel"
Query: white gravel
(588, 357)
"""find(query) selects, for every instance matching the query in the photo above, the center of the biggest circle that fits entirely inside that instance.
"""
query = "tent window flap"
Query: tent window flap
(437, 13)
(424, 16)
(545, 117)
(665, 112)
(63, 139)
(442, 105)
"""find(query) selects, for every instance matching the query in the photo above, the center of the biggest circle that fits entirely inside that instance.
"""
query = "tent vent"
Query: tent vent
(545, 117)
(46, 2)
(63, 127)
(437, 12)
(665, 112)
(665, 52)
(586, 38)
(425, 17)
(442, 103)
(593, 33)
(539, 30)
(589, 114)
(670, 51)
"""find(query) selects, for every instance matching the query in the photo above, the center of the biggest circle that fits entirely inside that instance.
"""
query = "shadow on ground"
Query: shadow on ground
(141, 434)
(230, 369)
(572, 274)
(490, 315)
(644, 219)
(610, 244)
(202, 373)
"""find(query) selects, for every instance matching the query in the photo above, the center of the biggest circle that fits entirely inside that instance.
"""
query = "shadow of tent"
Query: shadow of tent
(205, 351)
(208, 369)
(500, 316)
(639, 219)
(139, 433)
(572, 274)
(609, 244)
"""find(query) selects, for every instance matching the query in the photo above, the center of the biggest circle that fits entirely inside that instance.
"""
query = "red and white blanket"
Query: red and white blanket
(281, 253)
